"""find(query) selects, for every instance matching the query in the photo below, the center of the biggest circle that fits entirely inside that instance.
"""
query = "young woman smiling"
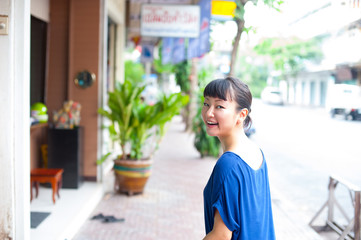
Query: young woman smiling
(237, 201)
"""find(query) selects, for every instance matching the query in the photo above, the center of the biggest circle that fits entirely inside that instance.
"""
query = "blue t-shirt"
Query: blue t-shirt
(242, 197)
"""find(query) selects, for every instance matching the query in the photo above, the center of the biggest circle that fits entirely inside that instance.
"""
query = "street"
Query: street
(303, 147)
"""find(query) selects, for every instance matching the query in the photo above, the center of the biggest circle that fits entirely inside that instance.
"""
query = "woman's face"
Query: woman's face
(220, 116)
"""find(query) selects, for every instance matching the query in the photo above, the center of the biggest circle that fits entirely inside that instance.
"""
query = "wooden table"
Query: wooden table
(46, 175)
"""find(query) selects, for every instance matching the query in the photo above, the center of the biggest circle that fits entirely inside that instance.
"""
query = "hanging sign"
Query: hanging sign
(178, 50)
(167, 50)
(223, 8)
(170, 20)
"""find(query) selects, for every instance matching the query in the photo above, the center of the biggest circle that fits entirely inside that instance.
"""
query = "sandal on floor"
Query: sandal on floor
(99, 216)
(110, 219)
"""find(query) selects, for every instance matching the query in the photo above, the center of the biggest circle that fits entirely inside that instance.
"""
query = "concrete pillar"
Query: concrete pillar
(15, 122)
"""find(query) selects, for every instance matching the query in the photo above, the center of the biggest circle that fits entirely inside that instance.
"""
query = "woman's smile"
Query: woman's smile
(211, 124)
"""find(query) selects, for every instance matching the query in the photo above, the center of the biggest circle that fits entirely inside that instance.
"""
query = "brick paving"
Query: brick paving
(171, 206)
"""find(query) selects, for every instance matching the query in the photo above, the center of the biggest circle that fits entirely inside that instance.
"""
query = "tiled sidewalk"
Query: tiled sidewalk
(172, 204)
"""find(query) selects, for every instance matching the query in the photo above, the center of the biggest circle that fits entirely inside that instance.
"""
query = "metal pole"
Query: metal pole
(357, 215)
(331, 192)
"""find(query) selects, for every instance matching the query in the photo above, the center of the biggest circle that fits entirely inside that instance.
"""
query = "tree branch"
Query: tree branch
(240, 26)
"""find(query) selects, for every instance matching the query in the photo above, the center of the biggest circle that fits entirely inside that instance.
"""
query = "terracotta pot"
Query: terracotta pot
(131, 176)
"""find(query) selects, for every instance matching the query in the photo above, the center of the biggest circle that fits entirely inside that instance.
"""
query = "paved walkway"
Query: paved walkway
(172, 205)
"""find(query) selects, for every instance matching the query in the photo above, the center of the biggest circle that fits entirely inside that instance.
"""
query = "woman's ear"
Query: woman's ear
(242, 115)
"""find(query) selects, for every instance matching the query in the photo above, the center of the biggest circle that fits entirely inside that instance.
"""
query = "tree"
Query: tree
(290, 55)
(253, 73)
(240, 22)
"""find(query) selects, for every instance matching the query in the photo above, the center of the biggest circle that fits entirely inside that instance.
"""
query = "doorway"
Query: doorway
(38, 43)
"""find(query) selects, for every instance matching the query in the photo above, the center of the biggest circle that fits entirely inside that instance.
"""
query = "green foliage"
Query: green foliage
(206, 145)
(239, 11)
(182, 71)
(205, 75)
(133, 71)
(254, 75)
(167, 107)
(240, 22)
(159, 66)
(122, 103)
(289, 56)
(148, 116)
(132, 119)
(103, 158)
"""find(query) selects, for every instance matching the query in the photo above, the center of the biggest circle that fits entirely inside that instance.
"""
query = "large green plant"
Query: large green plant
(132, 119)
(123, 103)
(133, 71)
(157, 115)
(182, 72)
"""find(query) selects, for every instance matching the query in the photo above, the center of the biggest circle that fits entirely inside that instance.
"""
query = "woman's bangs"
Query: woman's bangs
(218, 89)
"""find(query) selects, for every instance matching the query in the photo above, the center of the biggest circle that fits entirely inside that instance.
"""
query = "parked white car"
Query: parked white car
(272, 95)
(345, 100)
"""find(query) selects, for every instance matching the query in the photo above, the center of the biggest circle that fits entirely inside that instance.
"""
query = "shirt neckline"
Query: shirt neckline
(262, 164)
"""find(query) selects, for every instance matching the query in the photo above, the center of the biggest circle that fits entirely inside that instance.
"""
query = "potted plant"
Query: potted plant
(132, 123)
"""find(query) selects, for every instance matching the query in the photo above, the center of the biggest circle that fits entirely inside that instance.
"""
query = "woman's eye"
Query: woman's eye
(219, 106)
(205, 104)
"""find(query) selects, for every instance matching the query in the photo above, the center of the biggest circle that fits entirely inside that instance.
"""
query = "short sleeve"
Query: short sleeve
(226, 202)
(226, 189)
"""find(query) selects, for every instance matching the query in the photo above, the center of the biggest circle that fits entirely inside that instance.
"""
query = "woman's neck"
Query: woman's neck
(233, 141)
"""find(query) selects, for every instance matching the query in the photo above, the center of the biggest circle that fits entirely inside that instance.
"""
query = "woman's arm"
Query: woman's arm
(220, 230)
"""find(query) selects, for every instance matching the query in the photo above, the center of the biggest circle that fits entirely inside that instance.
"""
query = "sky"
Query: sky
(266, 21)
(329, 19)
(271, 22)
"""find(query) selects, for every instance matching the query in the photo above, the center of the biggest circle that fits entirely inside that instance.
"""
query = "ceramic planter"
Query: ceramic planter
(131, 175)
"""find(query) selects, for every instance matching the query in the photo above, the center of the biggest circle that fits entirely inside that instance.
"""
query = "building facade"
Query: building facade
(71, 36)
(340, 46)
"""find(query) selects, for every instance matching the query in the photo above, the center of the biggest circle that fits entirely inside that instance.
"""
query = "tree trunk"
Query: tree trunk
(240, 26)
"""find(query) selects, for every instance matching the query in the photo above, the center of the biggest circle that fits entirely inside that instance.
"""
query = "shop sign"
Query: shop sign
(223, 8)
(170, 20)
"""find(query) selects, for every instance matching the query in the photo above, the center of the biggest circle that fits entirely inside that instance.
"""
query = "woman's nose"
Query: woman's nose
(210, 112)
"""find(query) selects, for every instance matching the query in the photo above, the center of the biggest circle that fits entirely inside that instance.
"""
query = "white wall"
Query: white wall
(296, 94)
(6, 128)
(115, 9)
(14, 122)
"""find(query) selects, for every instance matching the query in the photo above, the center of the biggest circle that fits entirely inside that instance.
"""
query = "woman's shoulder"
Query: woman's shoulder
(227, 162)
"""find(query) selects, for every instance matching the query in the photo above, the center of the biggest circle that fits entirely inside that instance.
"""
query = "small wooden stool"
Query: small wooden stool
(46, 175)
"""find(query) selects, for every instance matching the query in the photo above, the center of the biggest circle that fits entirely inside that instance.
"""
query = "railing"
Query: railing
(332, 203)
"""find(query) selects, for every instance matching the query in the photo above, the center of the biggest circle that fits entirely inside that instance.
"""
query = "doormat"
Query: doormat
(37, 218)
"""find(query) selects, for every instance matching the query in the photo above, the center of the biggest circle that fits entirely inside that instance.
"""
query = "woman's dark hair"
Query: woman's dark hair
(231, 88)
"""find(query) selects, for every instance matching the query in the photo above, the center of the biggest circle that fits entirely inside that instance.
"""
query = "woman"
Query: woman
(237, 202)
